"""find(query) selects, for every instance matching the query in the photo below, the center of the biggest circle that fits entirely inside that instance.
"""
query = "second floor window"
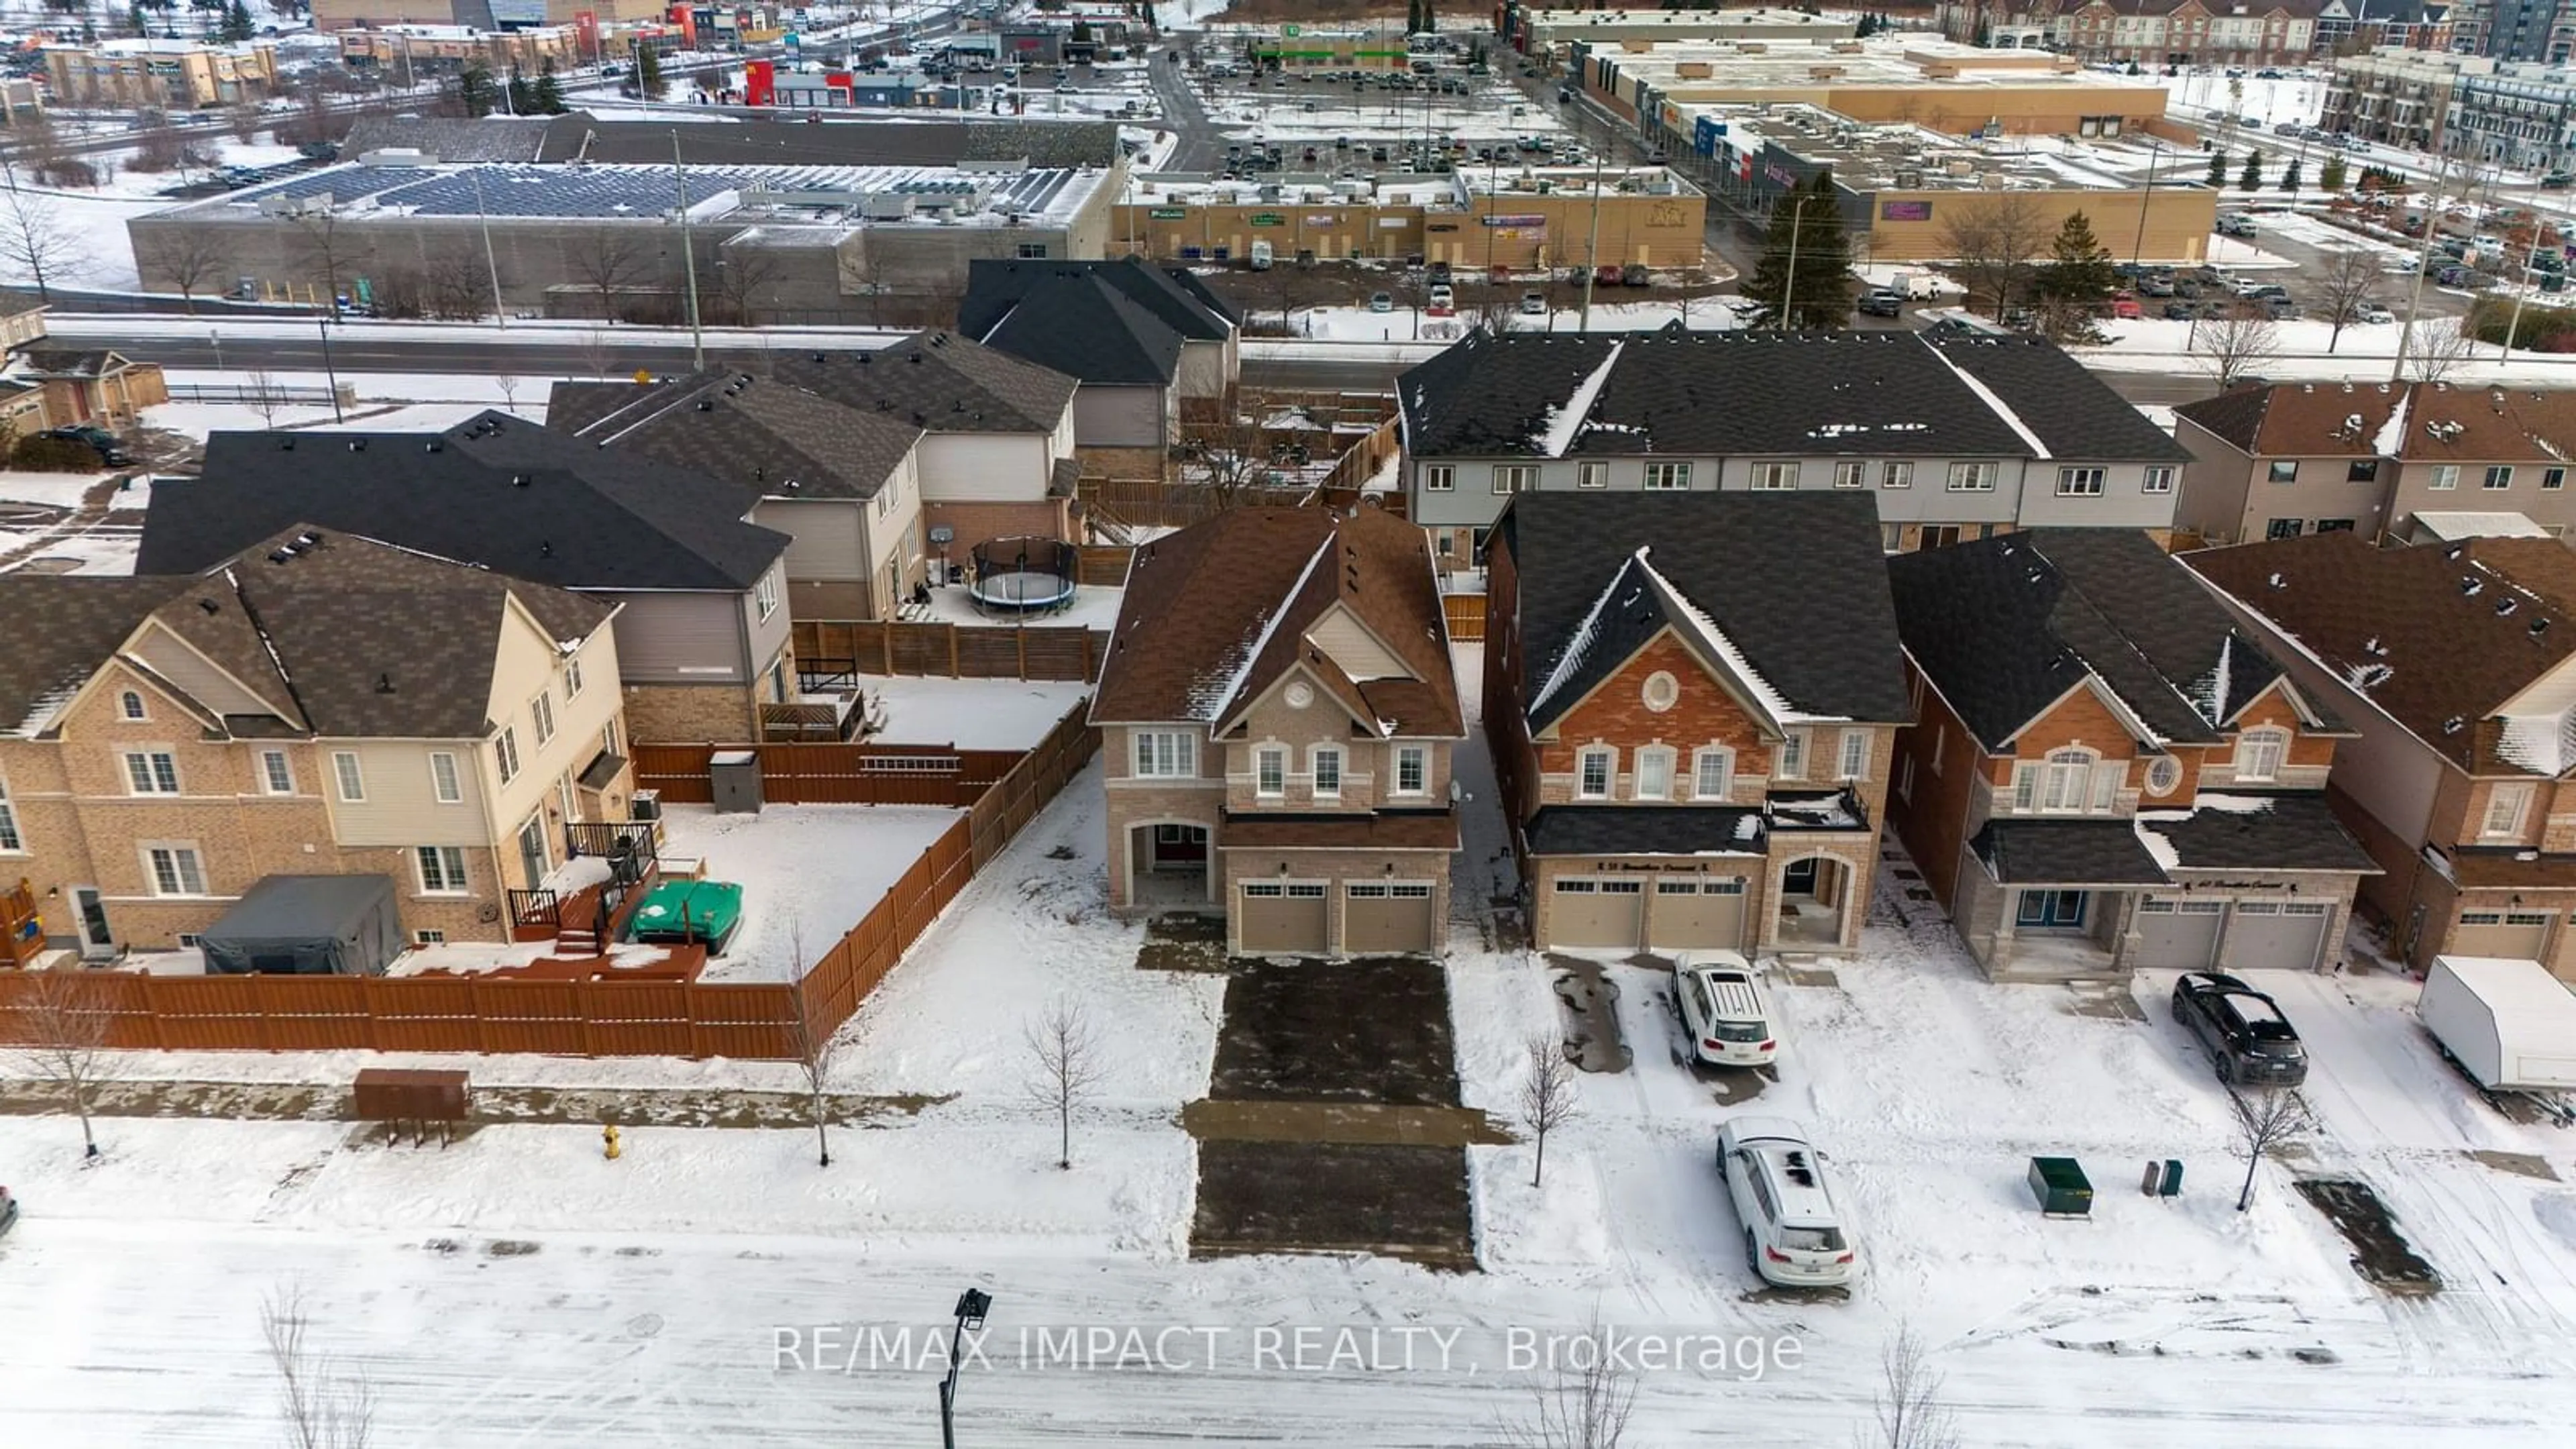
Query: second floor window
(2258, 754)
(1667, 476)
(1854, 764)
(2079, 482)
(10, 840)
(505, 753)
(1793, 756)
(1972, 477)
(1850, 475)
(1775, 477)
(766, 594)
(1654, 779)
(344, 768)
(2499, 477)
(1165, 754)
(1896, 475)
(542, 710)
(1327, 765)
(276, 776)
(152, 772)
(2446, 476)
(1439, 477)
(1515, 477)
(2507, 805)
(572, 675)
(1412, 769)
(2552, 479)
(1592, 774)
(443, 780)
(2282, 470)
(2159, 479)
(1591, 475)
(1270, 772)
(1712, 772)
(130, 705)
(2069, 783)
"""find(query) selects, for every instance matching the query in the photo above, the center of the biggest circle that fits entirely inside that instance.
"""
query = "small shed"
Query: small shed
(734, 778)
(309, 925)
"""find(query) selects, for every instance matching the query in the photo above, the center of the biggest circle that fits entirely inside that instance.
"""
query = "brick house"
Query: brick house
(1951, 437)
(2105, 772)
(702, 622)
(2189, 32)
(2454, 666)
(1277, 712)
(1691, 703)
(2399, 461)
(843, 484)
(102, 386)
(321, 704)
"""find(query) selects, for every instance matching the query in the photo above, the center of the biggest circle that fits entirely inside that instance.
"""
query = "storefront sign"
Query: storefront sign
(1440, 226)
(1323, 220)
(1513, 220)
(1170, 213)
(1905, 211)
(1268, 218)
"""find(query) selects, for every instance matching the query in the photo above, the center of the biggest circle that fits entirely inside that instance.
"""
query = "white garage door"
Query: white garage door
(1381, 917)
(1585, 911)
(2517, 935)
(1695, 913)
(2177, 933)
(2275, 935)
(1283, 916)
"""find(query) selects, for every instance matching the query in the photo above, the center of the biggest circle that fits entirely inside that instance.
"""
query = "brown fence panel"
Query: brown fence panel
(678, 771)
(1102, 565)
(923, 649)
(989, 653)
(424, 1014)
(314, 1013)
(1062, 653)
(529, 1016)
(1466, 617)
(750, 1020)
(637, 1018)
(220, 1012)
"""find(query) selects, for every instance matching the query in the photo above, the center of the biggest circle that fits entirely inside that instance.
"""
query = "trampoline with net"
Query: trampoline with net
(1022, 575)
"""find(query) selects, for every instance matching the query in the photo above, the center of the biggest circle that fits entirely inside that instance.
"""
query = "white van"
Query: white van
(1725, 1009)
(1793, 1233)
(1261, 256)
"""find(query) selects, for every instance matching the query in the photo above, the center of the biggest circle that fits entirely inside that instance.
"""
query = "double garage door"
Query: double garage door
(1627, 912)
(1294, 917)
(2187, 934)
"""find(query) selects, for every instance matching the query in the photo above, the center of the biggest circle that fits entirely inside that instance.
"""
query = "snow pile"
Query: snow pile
(1561, 422)
(1715, 640)
(808, 874)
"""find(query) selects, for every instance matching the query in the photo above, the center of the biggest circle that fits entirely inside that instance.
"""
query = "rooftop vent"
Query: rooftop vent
(210, 606)
(435, 445)
(384, 684)
(357, 445)
(520, 480)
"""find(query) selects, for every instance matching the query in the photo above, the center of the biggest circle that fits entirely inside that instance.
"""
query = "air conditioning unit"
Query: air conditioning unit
(647, 805)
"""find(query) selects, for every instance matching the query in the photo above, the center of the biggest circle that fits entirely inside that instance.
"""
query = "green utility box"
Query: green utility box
(2061, 1187)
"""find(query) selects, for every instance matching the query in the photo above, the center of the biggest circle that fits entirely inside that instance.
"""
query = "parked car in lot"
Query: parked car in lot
(111, 453)
(2180, 311)
(2236, 224)
(1443, 300)
(2242, 1029)
(1881, 302)
(1725, 1009)
(2124, 305)
(1606, 275)
(1634, 274)
(1381, 302)
(1533, 304)
(1793, 1233)
(2372, 312)
(2558, 180)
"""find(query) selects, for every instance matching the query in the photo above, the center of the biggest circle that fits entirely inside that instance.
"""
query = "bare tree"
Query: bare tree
(324, 1408)
(2436, 347)
(2344, 284)
(816, 1050)
(245, 120)
(509, 384)
(2266, 1121)
(37, 240)
(1994, 241)
(57, 1028)
(607, 262)
(1066, 1067)
(1548, 1099)
(1908, 1408)
(190, 255)
(596, 353)
(2232, 346)
(265, 398)
(326, 252)
(743, 281)
(1226, 458)
(1588, 1403)
(457, 277)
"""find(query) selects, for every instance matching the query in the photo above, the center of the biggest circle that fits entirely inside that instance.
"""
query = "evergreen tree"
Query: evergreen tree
(474, 92)
(1805, 258)
(237, 26)
(2077, 279)
(547, 100)
(2290, 178)
(2251, 178)
(2331, 177)
(134, 18)
(2217, 170)
(648, 73)
(523, 99)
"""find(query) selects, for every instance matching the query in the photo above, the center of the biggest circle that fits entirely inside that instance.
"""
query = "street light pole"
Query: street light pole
(1789, 281)
(330, 375)
(972, 1305)
(2138, 248)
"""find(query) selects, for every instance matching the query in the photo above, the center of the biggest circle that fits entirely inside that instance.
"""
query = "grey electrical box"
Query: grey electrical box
(734, 775)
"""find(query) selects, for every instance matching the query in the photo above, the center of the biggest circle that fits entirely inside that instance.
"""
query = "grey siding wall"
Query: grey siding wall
(828, 542)
(683, 638)
(1119, 417)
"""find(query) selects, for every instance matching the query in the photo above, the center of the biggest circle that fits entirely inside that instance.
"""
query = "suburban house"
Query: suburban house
(1151, 348)
(2454, 665)
(1692, 703)
(701, 594)
(319, 704)
(96, 386)
(1954, 437)
(844, 484)
(2105, 772)
(996, 453)
(2401, 462)
(1277, 711)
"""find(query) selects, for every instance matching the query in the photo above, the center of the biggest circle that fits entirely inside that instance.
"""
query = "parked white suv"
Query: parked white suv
(1725, 1009)
(1793, 1234)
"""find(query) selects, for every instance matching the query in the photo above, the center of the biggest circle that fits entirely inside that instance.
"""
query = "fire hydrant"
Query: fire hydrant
(608, 1141)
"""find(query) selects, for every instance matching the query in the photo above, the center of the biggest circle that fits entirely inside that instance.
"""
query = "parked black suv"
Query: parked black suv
(2244, 1030)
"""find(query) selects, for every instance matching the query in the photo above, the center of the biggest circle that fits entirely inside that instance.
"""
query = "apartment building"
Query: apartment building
(319, 704)
(154, 71)
(2399, 98)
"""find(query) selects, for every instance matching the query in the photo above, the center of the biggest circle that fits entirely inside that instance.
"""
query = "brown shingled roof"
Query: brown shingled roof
(2299, 420)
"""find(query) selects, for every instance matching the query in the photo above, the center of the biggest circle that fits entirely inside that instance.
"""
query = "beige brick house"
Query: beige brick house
(1277, 712)
(1691, 702)
(321, 704)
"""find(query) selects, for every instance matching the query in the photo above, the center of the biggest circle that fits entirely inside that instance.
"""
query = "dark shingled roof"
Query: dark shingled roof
(939, 381)
(1795, 581)
(1375, 830)
(1858, 394)
(2281, 832)
(995, 284)
(59, 634)
(452, 139)
(1655, 830)
(767, 438)
(2066, 853)
(1087, 329)
(2006, 626)
(494, 490)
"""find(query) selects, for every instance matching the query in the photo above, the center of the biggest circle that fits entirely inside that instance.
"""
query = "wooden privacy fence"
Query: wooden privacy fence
(1039, 651)
(756, 1020)
(831, 774)
(1466, 617)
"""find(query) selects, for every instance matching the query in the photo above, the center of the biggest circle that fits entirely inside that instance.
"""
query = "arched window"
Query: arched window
(130, 705)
